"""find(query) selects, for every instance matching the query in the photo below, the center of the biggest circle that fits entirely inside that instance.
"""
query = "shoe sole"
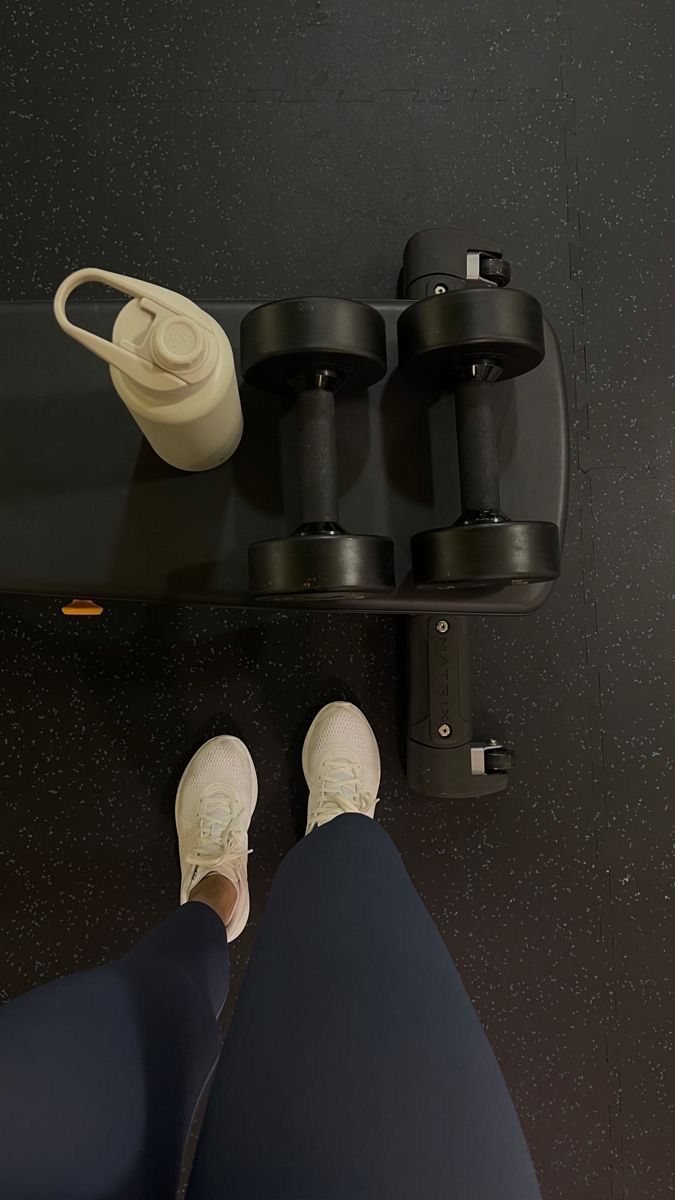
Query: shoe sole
(351, 708)
(226, 737)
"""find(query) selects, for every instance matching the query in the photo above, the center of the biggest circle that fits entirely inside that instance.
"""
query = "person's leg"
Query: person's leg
(355, 1064)
(100, 1072)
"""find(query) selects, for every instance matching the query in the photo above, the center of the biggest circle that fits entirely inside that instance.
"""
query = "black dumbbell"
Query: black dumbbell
(466, 340)
(313, 347)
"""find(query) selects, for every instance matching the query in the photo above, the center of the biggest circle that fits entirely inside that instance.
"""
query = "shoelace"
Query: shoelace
(341, 787)
(216, 838)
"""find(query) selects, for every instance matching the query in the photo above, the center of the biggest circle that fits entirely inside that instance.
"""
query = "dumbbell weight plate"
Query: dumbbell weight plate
(439, 334)
(483, 554)
(336, 563)
(284, 338)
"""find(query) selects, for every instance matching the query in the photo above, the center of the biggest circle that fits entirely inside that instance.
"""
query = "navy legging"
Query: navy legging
(355, 1066)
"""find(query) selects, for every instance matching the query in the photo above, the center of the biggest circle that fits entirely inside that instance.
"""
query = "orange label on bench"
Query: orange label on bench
(82, 608)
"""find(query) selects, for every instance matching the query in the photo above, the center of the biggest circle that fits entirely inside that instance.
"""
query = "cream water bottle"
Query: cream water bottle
(173, 367)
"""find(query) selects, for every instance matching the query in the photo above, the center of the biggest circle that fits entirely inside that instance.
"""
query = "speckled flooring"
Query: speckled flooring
(221, 161)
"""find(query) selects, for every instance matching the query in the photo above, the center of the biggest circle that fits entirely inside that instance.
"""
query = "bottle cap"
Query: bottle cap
(162, 340)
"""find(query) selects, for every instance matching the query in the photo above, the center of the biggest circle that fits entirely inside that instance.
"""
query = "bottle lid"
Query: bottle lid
(162, 340)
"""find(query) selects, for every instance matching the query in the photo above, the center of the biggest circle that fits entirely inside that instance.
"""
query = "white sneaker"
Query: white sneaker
(214, 804)
(341, 762)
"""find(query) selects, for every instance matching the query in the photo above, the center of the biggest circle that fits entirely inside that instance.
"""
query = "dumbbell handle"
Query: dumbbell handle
(315, 410)
(477, 447)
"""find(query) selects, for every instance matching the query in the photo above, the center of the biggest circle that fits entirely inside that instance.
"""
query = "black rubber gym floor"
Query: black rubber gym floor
(290, 148)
